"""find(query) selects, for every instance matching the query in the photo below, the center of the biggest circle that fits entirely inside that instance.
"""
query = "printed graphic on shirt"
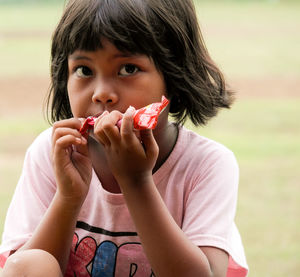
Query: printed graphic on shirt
(106, 259)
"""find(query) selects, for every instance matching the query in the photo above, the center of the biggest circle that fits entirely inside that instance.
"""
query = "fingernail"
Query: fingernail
(130, 110)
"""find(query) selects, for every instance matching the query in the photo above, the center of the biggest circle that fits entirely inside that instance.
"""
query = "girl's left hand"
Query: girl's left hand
(131, 159)
(72, 165)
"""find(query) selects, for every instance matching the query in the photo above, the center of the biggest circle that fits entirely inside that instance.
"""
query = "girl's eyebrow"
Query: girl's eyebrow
(123, 55)
(129, 56)
(79, 57)
(115, 56)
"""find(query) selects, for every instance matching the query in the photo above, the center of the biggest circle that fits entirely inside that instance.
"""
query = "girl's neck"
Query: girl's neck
(166, 140)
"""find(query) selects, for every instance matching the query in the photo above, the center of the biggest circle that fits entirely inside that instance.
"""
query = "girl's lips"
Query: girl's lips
(98, 114)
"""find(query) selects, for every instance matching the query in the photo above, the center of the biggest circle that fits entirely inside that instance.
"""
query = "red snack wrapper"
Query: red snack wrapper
(144, 118)
(87, 124)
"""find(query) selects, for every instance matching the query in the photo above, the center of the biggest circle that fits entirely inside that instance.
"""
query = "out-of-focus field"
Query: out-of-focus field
(257, 46)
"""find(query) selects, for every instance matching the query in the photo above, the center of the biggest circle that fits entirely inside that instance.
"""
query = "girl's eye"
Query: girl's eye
(83, 72)
(128, 69)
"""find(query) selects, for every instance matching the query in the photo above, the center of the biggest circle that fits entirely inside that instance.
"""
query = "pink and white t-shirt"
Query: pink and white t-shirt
(199, 185)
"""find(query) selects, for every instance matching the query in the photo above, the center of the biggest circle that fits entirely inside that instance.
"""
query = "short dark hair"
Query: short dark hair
(165, 30)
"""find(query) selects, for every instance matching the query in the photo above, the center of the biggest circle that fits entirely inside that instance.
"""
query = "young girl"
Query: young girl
(121, 202)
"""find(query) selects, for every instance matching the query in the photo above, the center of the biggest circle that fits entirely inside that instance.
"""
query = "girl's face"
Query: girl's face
(107, 79)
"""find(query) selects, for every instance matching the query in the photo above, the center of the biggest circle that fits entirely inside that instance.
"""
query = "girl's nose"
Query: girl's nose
(104, 93)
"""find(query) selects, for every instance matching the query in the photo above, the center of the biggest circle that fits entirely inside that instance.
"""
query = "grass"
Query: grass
(20, 18)
(258, 37)
(25, 33)
(248, 40)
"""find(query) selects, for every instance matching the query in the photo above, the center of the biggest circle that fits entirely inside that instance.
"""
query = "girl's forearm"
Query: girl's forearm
(55, 232)
(169, 251)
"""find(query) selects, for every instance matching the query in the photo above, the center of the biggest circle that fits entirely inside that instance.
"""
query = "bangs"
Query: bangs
(124, 23)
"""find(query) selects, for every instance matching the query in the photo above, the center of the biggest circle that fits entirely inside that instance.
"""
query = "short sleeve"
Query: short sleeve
(211, 204)
(32, 196)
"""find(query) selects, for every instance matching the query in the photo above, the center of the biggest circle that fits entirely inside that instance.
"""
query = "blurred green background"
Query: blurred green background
(256, 44)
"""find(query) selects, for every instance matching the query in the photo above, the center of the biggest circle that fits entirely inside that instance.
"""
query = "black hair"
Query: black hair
(167, 31)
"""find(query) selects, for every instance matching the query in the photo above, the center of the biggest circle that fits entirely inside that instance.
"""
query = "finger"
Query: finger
(98, 133)
(73, 123)
(127, 130)
(67, 126)
(62, 132)
(66, 141)
(107, 129)
(62, 146)
(105, 113)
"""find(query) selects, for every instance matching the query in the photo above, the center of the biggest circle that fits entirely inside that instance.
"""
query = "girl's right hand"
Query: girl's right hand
(72, 165)
(130, 156)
